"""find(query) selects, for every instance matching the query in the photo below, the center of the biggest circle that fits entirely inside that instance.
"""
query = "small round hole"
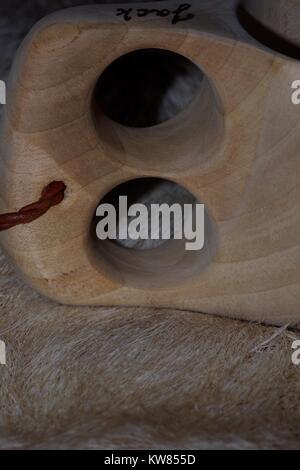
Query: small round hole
(153, 263)
(147, 87)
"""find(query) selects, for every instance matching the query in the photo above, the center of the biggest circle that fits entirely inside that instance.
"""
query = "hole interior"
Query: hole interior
(153, 263)
(182, 106)
(155, 86)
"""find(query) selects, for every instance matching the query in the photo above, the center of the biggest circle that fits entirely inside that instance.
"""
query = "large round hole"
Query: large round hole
(153, 263)
(147, 87)
(155, 86)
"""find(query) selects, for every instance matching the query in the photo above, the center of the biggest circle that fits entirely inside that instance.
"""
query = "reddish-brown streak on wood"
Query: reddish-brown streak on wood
(52, 195)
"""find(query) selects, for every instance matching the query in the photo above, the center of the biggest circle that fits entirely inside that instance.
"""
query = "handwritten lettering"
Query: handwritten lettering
(181, 13)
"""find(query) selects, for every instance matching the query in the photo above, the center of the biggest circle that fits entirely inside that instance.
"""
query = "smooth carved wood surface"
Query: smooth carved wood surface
(235, 147)
(280, 16)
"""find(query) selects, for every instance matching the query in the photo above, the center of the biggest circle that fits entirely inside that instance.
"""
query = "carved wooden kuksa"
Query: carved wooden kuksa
(235, 147)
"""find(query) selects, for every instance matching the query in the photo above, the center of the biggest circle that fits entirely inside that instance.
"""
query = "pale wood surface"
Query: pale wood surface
(236, 148)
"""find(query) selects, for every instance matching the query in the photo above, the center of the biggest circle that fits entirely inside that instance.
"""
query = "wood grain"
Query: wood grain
(236, 148)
